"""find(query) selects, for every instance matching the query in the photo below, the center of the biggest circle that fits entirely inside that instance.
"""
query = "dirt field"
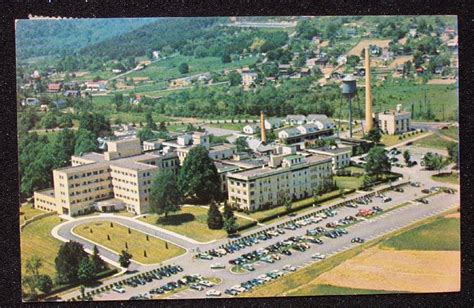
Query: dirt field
(392, 270)
(365, 43)
(442, 81)
(400, 60)
(138, 79)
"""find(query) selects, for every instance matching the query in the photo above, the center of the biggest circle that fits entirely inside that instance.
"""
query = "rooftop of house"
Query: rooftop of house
(295, 117)
(221, 167)
(292, 131)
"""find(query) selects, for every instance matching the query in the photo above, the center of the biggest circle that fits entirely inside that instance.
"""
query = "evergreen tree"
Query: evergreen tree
(374, 135)
(228, 212)
(198, 178)
(214, 217)
(86, 270)
(99, 264)
(124, 259)
(85, 142)
(406, 156)
(165, 196)
(63, 147)
(230, 225)
(162, 127)
(67, 262)
(145, 134)
(150, 124)
(44, 283)
(377, 162)
(183, 68)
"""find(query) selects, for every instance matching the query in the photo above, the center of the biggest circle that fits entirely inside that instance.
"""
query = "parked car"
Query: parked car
(386, 199)
(423, 200)
(398, 189)
(118, 289)
(196, 287)
(318, 256)
(290, 268)
(231, 292)
(357, 240)
(213, 292)
(425, 191)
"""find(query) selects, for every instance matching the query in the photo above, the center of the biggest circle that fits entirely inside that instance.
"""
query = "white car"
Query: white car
(289, 267)
(213, 292)
(206, 283)
(217, 266)
(118, 289)
(264, 278)
(318, 256)
(238, 288)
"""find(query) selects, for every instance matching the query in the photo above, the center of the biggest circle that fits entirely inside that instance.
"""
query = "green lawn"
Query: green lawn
(190, 222)
(452, 132)
(28, 212)
(325, 289)
(433, 141)
(231, 126)
(36, 240)
(155, 248)
(391, 140)
(451, 179)
(349, 182)
(440, 234)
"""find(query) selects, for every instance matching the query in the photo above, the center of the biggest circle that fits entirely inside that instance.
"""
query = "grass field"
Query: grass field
(433, 141)
(441, 234)
(451, 179)
(326, 289)
(349, 182)
(155, 248)
(391, 140)
(36, 240)
(231, 126)
(190, 222)
(452, 132)
(28, 212)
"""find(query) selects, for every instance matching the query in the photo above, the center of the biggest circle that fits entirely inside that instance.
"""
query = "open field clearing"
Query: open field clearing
(390, 270)
(28, 212)
(432, 141)
(450, 179)
(365, 43)
(452, 132)
(400, 60)
(136, 241)
(36, 240)
(442, 81)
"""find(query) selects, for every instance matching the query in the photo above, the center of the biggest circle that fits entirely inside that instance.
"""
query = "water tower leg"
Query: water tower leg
(350, 117)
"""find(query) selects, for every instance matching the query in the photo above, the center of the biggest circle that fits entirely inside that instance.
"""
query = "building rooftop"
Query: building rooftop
(222, 147)
(330, 150)
(221, 167)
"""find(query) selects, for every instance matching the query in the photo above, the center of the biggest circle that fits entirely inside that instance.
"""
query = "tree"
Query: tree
(63, 147)
(164, 196)
(374, 135)
(198, 178)
(230, 225)
(124, 259)
(44, 283)
(183, 68)
(49, 120)
(434, 162)
(228, 212)
(234, 78)
(146, 134)
(33, 265)
(226, 58)
(214, 217)
(242, 145)
(377, 162)
(67, 262)
(85, 142)
(86, 270)
(99, 264)
(453, 149)
(149, 121)
(162, 127)
(406, 156)
(287, 203)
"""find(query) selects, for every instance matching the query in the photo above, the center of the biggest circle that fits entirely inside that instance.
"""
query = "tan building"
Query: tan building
(341, 156)
(221, 151)
(394, 122)
(123, 173)
(286, 175)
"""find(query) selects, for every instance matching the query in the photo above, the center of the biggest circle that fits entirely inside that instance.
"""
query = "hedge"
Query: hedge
(247, 225)
(391, 177)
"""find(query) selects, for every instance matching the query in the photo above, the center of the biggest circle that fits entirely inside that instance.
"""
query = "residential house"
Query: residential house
(307, 128)
(31, 101)
(60, 104)
(273, 123)
(251, 129)
(72, 93)
(321, 121)
(55, 87)
(180, 82)
(288, 132)
(248, 79)
(295, 119)
(96, 86)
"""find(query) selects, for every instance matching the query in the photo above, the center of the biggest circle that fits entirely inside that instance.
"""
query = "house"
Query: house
(273, 123)
(248, 79)
(36, 75)
(341, 60)
(54, 87)
(116, 71)
(72, 93)
(307, 128)
(321, 121)
(71, 85)
(251, 129)
(96, 85)
(374, 50)
(284, 68)
(305, 71)
(387, 55)
(295, 119)
(60, 104)
(351, 32)
(412, 32)
(180, 82)
(288, 132)
(257, 146)
(31, 101)
(155, 54)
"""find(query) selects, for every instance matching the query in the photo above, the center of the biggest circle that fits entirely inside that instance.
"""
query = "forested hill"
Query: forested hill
(172, 33)
(61, 37)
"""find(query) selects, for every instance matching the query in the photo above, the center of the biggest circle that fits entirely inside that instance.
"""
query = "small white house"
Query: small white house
(307, 128)
(289, 132)
(250, 129)
(273, 123)
(321, 121)
(295, 119)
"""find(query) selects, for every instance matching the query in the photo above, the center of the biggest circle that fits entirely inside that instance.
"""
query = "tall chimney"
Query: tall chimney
(262, 127)
(369, 122)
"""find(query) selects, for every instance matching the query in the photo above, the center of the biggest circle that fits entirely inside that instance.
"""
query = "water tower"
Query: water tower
(349, 90)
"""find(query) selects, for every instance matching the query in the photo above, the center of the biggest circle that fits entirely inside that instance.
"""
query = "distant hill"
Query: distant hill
(50, 37)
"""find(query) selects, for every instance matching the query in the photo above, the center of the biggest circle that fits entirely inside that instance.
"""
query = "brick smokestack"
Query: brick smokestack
(263, 133)
(369, 122)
